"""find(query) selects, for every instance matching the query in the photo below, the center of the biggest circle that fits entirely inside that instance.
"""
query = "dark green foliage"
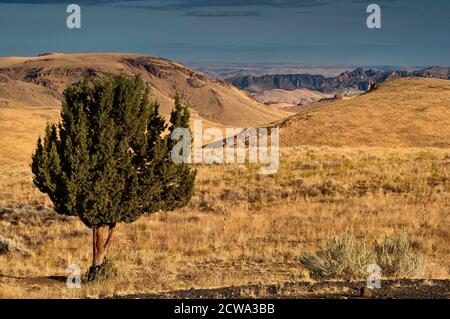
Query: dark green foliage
(109, 160)
(103, 272)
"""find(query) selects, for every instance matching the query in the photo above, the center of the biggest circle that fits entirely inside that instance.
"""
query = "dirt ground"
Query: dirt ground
(390, 289)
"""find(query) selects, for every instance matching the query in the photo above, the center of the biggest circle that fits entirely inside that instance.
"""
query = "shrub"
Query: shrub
(343, 257)
(234, 195)
(8, 245)
(396, 258)
(212, 204)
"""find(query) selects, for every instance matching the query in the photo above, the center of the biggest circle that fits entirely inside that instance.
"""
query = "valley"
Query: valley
(355, 168)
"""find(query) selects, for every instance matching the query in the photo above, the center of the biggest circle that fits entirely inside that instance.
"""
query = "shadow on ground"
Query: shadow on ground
(390, 289)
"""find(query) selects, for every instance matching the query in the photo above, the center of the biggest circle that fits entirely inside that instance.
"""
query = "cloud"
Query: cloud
(193, 7)
(383, 3)
(65, 2)
(372, 1)
(185, 4)
(80, 2)
(222, 13)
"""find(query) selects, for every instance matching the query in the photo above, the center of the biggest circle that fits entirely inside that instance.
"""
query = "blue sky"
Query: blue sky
(293, 31)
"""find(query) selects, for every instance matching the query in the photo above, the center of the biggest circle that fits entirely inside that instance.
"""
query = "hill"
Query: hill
(359, 79)
(409, 112)
(44, 78)
(31, 89)
(294, 97)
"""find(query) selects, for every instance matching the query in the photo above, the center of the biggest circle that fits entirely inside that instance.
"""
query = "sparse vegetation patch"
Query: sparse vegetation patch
(345, 257)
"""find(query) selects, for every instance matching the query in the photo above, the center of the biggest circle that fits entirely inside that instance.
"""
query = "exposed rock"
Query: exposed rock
(358, 79)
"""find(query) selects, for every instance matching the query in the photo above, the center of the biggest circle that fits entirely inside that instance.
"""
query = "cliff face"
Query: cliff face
(359, 79)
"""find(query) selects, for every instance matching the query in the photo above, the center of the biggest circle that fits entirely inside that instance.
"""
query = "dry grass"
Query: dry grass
(19, 130)
(292, 98)
(399, 113)
(240, 227)
(343, 257)
(8, 245)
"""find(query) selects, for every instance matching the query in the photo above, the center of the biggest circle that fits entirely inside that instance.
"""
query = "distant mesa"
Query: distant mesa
(358, 79)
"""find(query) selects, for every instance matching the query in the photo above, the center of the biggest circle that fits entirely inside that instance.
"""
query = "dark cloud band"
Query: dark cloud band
(222, 13)
(183, 4)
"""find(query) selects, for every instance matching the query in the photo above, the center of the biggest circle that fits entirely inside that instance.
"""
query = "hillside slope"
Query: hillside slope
(40, 81)
(409, 112)
(294, 97)
(31, 90)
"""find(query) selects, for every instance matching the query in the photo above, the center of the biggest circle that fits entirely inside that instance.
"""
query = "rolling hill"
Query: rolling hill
(40, 81)
(31, 89)
(412, 112)
(294, 97)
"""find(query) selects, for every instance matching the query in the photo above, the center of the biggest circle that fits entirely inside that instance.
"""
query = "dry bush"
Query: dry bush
(8, 245)
(212, 204)
(31, 215)
(396, 257)
(235, 195)
(344, 257)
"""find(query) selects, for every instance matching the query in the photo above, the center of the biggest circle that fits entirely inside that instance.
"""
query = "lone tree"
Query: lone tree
(109, 160)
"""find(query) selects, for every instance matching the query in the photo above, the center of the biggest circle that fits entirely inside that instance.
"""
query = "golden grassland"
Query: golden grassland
(19, 131)
(408, 112)
(240, 227)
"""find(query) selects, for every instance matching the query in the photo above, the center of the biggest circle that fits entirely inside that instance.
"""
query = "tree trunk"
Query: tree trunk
(102, 238)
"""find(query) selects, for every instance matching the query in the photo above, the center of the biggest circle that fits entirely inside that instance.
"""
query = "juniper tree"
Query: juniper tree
(108, 161)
